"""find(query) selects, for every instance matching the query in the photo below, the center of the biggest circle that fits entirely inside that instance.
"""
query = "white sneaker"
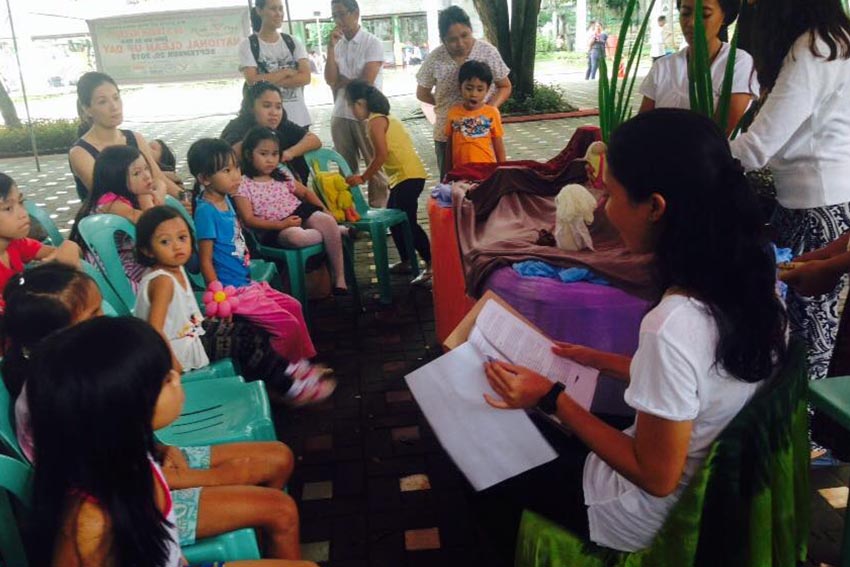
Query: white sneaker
(423, 279)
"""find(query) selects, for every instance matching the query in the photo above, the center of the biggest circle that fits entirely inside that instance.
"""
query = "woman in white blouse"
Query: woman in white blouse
(802, 132)
(715, 335)
(666, 85)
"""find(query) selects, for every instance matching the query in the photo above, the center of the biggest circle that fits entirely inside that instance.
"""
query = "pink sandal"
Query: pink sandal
(309, 384)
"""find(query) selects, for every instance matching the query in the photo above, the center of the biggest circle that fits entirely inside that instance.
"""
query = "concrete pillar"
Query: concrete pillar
(431, 12)
(581, 26)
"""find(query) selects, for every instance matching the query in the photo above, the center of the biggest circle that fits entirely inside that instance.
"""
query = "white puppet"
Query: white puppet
(575, 206)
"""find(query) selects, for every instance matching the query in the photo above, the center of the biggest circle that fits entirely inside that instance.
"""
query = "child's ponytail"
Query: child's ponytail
(38, 302)
(375, 100)
(206, 157)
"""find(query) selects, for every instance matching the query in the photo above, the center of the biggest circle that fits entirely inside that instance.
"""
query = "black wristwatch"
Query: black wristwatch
(549, 402)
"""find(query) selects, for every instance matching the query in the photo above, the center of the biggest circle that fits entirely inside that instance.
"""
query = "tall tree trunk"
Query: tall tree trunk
(524, 46)
(7, 108)
(494, 18)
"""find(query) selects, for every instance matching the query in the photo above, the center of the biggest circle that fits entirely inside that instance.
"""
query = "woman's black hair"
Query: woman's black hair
(779, 23)
(730, 11)
(710, 241)
(208, 156)
(473, 69)
(451, 16)
(146, 227)
(375, 100)
(255, 91)
(6, 184)
(167, 160)
(39, 301)
(250, 142)
(92, 399)
(110, 176)
(86, 85)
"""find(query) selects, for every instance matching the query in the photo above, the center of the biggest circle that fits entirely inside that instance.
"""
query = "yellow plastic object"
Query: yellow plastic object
(337, 196)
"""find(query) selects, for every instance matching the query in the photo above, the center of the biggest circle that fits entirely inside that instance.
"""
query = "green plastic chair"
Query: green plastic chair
(295, 260)
(98, 233)
(220, 411)
(748, 505)
(261, 271)
(8, 439)
(232, 546)
(112, 304)
(375, 221)
(832, 397)
(54, 237)
(240, 544)
(15, 480)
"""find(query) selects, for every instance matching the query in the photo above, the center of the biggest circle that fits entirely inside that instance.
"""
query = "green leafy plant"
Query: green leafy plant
(544, 99)
(615, 105)
(700, 85)
(52, 136)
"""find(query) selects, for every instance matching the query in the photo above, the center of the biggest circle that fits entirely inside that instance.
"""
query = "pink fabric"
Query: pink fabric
(271, 200)
(280, 316)
(109, 198)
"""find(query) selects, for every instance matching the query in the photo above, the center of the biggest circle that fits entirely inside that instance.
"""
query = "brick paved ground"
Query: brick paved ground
(373, 486)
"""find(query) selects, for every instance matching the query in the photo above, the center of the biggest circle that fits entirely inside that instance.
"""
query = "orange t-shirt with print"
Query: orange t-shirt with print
(472, 133)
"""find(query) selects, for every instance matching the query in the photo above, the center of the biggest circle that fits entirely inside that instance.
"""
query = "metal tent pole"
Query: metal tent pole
(288, 16)
(23, 88)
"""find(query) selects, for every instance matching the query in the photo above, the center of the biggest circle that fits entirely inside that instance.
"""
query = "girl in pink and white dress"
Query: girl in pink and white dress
(281, 209)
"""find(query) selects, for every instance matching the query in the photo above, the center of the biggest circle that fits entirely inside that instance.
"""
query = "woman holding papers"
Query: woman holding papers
(714, 337)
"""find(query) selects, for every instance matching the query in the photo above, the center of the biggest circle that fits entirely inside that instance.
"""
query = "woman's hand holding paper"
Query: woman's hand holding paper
(519, 387)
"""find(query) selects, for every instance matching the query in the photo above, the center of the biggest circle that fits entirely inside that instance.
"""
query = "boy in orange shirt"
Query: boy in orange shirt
(474, 129)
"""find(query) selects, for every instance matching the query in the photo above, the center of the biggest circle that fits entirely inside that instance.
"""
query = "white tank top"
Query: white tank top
(175, 556)
(182, 322)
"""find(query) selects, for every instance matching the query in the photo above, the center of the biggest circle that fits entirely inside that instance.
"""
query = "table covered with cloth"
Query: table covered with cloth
(598, 316)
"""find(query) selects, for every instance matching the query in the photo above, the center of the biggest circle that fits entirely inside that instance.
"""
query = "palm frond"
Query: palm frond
(614, 96)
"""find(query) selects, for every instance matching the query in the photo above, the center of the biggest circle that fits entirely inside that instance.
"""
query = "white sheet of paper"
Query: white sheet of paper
(489, 445)
(500, 334)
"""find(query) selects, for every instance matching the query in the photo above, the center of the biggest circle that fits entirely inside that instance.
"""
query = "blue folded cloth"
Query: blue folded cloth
(443, 193)
(782, 255)
(540, 269)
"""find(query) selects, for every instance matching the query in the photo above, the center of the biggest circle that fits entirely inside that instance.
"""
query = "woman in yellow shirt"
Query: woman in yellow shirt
(394, 153)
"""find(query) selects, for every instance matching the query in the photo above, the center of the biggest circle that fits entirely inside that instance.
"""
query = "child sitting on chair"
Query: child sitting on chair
(272, 201)
(16, 249)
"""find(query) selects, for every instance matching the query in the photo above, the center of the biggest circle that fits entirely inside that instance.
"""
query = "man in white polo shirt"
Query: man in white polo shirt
(353, 53)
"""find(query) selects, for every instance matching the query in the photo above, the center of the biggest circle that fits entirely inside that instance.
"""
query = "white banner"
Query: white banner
(170, 46)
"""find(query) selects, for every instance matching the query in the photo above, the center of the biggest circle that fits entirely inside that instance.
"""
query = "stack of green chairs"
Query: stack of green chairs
(230, 546)
(747, 506)
(15, 481)
(218, 409)
(374, 221)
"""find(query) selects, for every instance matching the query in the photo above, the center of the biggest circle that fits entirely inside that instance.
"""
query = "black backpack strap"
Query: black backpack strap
(290, 43)
(254, 42)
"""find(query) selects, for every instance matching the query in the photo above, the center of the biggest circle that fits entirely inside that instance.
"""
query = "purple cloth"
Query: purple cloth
(601, 317)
